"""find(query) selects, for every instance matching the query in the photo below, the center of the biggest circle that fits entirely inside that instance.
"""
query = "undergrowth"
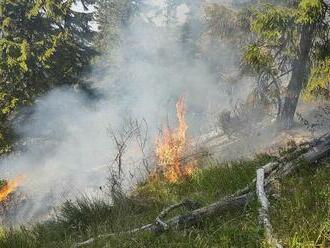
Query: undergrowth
(300, 213)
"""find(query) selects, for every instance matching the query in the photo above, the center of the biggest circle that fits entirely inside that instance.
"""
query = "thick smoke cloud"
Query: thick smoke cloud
(66, 147)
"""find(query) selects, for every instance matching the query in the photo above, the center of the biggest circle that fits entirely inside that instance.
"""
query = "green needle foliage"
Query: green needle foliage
(43, 44)
(282, 42)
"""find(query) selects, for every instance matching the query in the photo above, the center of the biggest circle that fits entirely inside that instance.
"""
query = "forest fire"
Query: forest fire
(171, 146)
(9, 187)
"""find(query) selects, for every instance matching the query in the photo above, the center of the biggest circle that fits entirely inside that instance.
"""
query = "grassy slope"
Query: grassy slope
(301, 215)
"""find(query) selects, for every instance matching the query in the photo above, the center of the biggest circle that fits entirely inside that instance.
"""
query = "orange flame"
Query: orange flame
(9, 187)
(171, 146)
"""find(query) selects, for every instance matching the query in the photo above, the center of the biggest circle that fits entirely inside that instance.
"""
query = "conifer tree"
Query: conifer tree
(284, 42)
(43, 44)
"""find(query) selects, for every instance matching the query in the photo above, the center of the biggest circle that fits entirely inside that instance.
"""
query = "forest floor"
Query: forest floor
(299, 212)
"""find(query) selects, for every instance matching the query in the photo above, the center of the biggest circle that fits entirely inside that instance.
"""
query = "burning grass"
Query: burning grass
(171, 147)
(7, 187)
(12, 199)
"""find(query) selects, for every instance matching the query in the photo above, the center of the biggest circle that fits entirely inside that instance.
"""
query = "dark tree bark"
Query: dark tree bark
(299, 77)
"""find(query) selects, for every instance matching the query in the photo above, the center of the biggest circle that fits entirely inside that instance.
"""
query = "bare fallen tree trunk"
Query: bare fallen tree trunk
(180, 221)
(197, 215)
(319, 148)
(187, 204)
(103, 236)
(263, 211)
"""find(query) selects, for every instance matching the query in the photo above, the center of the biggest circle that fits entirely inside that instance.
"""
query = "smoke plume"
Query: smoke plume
(65, 146)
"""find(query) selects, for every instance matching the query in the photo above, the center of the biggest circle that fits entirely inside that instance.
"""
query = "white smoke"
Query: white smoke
(68, 145)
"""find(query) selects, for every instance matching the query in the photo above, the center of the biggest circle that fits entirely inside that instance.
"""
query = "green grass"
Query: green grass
(300, 215)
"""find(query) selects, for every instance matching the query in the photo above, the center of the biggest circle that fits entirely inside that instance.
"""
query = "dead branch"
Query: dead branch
(158, 226)
(187, 204)
(142, 135)
(121, 138)
(263, 211)
(131, 132)
(319, 150)
(197, 215)
(180, 221)
(103, 236)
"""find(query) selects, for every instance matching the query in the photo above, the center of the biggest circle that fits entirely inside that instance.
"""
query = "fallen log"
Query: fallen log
(197, 215)
(319, 149)
(180, 221)
(147, 227)
(187, 204)
(263, 210)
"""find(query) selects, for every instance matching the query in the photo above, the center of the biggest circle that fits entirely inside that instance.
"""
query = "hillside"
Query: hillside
(299, 211)
(164, 123)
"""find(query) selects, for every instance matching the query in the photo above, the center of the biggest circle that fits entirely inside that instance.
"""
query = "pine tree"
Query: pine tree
(283, 41)
(112, 16)
(291, 38)
(43, 44)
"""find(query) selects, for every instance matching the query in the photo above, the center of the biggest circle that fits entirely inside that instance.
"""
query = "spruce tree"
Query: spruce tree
(284, 43)
(43, 44)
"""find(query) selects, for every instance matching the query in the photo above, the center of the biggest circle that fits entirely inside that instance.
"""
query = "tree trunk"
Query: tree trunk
(299, 77)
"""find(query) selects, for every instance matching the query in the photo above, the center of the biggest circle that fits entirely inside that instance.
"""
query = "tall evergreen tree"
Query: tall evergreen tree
(293, 39)
(111, 16)
(43, 43)
(284, 41)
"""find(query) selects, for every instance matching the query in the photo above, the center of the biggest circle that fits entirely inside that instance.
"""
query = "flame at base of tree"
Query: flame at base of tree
(171, 147)
(9, 187)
